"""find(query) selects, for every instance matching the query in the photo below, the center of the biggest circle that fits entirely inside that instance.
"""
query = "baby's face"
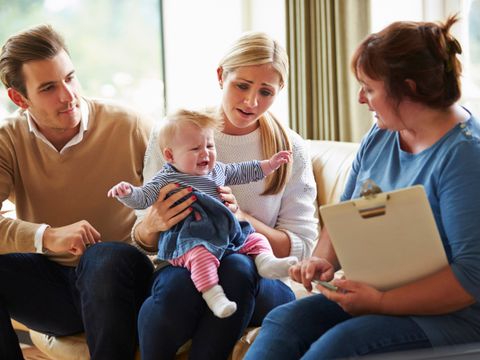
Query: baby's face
(193, 150)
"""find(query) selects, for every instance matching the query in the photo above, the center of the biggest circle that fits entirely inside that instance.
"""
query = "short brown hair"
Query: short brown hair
(37, 43)
(424, 52)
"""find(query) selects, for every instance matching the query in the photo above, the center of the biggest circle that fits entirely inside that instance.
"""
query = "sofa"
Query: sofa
(331, 162)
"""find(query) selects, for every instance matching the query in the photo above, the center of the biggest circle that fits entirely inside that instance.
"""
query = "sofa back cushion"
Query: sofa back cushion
(331, 161)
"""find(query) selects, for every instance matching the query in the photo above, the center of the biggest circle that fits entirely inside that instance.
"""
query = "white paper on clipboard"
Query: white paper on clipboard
(386, 239)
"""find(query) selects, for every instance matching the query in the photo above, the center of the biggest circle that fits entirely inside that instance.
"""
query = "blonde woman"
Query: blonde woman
(281, 207)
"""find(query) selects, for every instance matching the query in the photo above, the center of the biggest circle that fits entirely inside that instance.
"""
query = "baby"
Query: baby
(199, 241)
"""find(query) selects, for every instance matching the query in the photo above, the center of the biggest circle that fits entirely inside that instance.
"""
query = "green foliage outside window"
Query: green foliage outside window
(114, 45)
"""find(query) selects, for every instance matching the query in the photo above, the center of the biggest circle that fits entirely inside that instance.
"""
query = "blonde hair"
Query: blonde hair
(257, 48)
(173, 123)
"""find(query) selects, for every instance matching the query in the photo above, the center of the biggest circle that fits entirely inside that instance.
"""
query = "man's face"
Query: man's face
(53, 97)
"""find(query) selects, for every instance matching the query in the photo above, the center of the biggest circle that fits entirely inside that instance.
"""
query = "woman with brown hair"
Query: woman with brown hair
(410, 78)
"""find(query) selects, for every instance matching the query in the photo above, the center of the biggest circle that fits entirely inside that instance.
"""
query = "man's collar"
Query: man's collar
(83, 122)
(75, 140)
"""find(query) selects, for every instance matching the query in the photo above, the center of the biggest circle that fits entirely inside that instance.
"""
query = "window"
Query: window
(197, 33)
(114, 46)
(471, 45)
(467, 32)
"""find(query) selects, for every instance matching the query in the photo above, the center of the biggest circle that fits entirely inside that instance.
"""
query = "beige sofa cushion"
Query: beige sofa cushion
(75, 347)
(331, 161)
(62, 348)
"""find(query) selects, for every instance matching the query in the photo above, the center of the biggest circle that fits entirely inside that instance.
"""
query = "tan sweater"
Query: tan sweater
(60, 189)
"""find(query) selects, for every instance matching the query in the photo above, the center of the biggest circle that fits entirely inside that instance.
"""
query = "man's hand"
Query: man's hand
(73, 238)
(121, 189)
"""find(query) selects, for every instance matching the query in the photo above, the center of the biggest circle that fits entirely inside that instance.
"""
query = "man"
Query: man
(66, 266)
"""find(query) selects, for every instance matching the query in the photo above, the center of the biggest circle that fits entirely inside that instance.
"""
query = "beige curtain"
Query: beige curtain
(321, 38)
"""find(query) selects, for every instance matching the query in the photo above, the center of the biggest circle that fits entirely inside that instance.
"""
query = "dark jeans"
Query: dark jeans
(101, 296)
(176, 312)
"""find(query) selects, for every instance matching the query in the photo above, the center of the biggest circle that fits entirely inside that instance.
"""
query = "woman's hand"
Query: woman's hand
(230, 201)
(161, 216)
(279, 240)
(308, 270)
(354, 297)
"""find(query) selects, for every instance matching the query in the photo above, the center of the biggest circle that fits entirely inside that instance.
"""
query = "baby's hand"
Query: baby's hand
(121, 189)
(280, 158)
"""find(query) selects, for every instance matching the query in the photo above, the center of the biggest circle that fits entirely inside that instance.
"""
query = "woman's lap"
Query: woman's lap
(175, 312)
(318, 328)
(270, 294)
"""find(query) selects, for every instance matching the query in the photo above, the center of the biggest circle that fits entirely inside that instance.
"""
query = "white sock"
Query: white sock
(271, 267)
(218, 302)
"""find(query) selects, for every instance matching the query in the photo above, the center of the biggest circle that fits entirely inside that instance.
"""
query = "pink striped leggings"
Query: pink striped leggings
(203, 265)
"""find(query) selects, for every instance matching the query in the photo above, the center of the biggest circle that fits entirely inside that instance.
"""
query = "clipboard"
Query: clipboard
(385, 239)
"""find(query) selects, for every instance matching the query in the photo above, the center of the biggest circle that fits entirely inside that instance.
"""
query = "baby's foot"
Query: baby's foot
(271, 267)
(218, 302)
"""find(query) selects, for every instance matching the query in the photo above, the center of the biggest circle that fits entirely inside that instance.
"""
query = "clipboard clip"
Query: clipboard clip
(370, 189)
(373, 202)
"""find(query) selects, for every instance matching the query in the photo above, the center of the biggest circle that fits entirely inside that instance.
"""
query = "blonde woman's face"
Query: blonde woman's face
(248, 92)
